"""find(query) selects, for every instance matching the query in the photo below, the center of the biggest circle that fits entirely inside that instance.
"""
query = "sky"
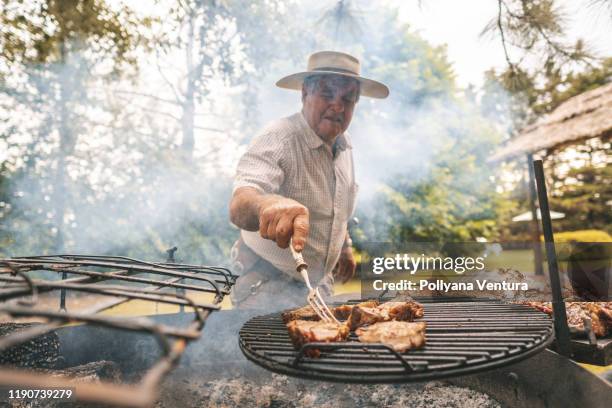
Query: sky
(452, 23)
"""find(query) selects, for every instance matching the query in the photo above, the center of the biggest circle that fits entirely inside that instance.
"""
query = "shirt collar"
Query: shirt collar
(314, 142)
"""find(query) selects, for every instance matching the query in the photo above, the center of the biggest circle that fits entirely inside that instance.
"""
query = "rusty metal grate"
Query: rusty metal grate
(158, 283)
(462, 338)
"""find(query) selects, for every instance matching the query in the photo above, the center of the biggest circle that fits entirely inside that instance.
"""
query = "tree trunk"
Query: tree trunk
(188, 105)
(188, 122)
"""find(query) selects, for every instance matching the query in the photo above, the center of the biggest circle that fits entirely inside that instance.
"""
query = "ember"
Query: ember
(275, 390)
(39, 352)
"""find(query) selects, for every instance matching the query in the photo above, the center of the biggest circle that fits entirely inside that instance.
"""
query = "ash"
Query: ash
(278, 391)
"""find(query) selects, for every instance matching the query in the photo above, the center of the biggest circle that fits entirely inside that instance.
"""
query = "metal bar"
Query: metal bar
(12, 293)
(128, 263)
(115, 302)
(135, 269)
(560, 316)
(108, 290)
(62, 304)
(210, 269)
(535, 227)
(48, 286)
(171, 260)
(167, 283)
(134, 324)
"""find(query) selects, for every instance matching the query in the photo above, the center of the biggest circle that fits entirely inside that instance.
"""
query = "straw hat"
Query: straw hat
(338, 63)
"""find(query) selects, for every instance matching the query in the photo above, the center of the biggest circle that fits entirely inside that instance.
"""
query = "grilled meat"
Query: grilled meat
(600, 314)
(544, 307)
(303, 331)
(403, 311)
(400, 336)
(340, 312)
(303, 313)
(343, 312)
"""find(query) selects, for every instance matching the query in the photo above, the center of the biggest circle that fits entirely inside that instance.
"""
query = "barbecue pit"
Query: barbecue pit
(512, 369)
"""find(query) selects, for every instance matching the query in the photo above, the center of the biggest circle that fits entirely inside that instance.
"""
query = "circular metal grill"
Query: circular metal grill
(462, 338)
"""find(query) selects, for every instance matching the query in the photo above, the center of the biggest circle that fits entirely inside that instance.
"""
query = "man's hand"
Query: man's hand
(345, 268)
(282, 218)
(276, 217)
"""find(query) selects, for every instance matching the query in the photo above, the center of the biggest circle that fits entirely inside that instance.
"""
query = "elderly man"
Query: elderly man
(296, 184)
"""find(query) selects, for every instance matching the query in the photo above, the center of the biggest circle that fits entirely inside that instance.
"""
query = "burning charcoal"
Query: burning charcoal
(279, 391)
(40, 352)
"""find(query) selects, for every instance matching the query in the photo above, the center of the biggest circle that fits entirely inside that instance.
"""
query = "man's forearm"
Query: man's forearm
(245, 207)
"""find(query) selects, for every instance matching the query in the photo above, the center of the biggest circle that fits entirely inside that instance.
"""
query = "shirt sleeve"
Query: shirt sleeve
(261, 166)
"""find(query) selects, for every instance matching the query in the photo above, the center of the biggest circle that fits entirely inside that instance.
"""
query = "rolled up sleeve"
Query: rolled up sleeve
(261, 166)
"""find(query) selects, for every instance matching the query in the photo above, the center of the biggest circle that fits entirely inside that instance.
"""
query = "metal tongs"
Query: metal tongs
(314, 298)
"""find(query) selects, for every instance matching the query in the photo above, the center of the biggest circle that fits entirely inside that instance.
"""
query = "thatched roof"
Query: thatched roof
(581, 117)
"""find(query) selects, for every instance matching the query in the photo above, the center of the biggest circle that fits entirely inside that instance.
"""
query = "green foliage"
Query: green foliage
(109, 174)
(584, 197)
(590, 235)
(455, 202)
(533, 28)
(454, 199)
(523, 93)
(45, 32)
(54, 52)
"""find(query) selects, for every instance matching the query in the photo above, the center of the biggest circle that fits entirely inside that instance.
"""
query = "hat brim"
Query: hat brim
(369, 87)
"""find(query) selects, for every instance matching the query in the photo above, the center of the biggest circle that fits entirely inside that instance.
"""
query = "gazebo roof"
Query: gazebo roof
(581, 117)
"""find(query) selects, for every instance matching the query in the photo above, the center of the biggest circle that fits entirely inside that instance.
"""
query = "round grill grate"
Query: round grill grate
(462, 338)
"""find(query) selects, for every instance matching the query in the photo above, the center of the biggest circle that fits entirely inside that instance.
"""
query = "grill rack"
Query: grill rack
(86, 273)
(463, 337)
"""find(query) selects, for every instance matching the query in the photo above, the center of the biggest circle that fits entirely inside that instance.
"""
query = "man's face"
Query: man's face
(328, 108)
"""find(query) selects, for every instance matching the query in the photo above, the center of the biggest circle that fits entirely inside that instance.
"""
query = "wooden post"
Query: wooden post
(535, 226)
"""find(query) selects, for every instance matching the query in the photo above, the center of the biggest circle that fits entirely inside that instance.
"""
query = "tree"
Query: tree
(203, 34)
(51, 50)
(533, 29)
(585, 199)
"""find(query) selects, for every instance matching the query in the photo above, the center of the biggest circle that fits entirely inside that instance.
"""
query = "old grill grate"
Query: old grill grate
(462, 338)
(169, 283)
